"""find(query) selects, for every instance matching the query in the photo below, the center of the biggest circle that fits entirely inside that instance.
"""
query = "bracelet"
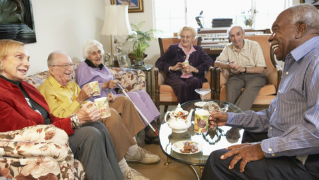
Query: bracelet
(245, 70)
(75, 121)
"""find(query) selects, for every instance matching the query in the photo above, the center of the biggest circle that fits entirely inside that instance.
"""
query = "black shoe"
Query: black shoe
(151, 141)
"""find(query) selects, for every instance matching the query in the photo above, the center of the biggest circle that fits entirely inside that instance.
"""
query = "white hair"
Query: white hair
(189, 28)
(305, 13)
(53, 57)
(230, 28)
(88, 46)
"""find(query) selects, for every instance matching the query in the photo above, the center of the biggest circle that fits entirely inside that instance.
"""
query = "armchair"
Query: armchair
(38, 152)
(164, 94)
(273, 73)
(42, 151)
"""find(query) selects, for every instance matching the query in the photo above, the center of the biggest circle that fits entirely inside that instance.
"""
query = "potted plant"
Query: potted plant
(140, 42)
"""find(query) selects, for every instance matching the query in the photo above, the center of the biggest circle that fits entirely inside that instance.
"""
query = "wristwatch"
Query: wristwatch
(245, 70)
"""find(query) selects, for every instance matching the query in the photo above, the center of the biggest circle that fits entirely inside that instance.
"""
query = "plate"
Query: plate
(200, 104)
(180, 145)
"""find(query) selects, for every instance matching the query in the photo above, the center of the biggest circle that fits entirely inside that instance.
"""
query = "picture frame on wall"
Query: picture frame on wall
(313, 2)
(17, 21)
(133, 5)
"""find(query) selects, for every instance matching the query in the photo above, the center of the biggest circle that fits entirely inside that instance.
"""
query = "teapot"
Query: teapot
(180, 120)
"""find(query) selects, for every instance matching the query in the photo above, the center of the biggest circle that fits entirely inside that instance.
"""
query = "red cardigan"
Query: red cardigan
(15, 112)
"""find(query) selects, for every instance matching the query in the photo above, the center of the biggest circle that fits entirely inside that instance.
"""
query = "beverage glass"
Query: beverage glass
(201, 121)
(102, 105)
(202, 92)
(95, 88)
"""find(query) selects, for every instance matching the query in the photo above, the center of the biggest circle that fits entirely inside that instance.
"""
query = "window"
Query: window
(171, 15)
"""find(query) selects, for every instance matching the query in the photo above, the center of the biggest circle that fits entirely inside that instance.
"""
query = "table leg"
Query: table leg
(198, 177)
(151, 84)
(167, 161)
(201, 169)
(146, 81)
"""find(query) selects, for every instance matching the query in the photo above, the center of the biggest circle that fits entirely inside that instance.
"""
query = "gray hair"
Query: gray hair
(188, 28)
(53, 57)
(305, 13)
(88, 46)
(228, 30)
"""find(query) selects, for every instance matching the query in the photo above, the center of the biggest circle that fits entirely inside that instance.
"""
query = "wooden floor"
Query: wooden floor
(173, 171)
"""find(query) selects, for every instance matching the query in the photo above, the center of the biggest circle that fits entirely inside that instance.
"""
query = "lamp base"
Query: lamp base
(116, 63)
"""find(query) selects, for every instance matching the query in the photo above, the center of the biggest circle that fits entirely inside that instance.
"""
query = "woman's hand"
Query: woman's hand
(178, 66)
(109, 84)
(111, 97)
(88, 113)
(190, 69)
(85, 93)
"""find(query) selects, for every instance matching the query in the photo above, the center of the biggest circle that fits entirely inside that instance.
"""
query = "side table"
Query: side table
(147, 69)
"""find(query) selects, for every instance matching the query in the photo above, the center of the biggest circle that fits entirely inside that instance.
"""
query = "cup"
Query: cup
(103, 106)
(95, 88)
(201, 121)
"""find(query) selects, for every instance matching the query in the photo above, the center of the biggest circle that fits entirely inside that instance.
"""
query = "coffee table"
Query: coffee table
(220, 138)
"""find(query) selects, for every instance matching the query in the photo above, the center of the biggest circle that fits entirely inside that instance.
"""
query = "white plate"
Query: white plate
(180, 145)
(200, 104)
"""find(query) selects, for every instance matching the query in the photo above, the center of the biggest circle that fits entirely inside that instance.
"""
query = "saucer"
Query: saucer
(200, 104)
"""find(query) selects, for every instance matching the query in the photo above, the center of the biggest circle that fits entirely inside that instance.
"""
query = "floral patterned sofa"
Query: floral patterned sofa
(42, 151)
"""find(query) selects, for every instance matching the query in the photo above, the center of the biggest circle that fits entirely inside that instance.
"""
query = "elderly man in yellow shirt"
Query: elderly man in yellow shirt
(65, 97)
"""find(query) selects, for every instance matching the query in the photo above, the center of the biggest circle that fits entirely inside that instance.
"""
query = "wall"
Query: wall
(67, 24)
(63, 25)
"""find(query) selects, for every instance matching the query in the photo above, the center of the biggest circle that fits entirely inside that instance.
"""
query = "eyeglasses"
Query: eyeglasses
(65, 66)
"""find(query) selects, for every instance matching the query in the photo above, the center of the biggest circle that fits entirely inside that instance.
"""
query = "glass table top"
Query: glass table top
(220, 138)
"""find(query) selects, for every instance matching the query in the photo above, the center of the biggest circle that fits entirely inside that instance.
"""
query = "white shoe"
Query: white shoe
(132, 174)
(143, 156)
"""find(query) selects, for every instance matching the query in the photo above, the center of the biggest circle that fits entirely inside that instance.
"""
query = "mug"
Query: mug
(201, 121)
(96, 88)
(102, 105)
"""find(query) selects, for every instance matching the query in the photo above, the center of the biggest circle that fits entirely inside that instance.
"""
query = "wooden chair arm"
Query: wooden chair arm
(215, 82)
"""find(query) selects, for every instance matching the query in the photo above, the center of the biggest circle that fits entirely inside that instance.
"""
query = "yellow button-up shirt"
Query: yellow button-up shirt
(61, 99)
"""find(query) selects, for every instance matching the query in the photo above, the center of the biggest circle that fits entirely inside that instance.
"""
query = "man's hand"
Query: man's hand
(85, 93)
(109, 84)
(236, 67)
(88, 112)
(217, 119)
(111, 97)
(245, 152)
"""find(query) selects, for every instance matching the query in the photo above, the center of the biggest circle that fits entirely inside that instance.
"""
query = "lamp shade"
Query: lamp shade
(116, 21)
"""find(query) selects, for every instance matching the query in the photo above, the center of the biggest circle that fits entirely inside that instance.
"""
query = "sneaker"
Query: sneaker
(143, 156)
(132, 174)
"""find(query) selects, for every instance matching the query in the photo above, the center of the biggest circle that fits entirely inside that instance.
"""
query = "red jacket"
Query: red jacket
(15, 112)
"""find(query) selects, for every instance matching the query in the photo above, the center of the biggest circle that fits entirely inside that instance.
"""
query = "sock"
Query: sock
(132, 150)
(123, 165)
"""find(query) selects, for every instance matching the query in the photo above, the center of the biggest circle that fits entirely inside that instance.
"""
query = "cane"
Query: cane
(118, 84)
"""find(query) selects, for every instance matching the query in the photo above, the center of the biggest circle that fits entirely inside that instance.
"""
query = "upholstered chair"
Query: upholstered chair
(273, 73)
(164, 94)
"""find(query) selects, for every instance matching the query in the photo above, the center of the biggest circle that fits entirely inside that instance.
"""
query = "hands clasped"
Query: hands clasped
(236, 67)
(88, 113)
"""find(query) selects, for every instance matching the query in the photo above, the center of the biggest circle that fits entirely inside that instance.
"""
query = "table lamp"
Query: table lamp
(116, 23)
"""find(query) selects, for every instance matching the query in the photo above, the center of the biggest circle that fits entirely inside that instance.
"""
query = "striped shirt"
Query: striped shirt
(292, 119)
